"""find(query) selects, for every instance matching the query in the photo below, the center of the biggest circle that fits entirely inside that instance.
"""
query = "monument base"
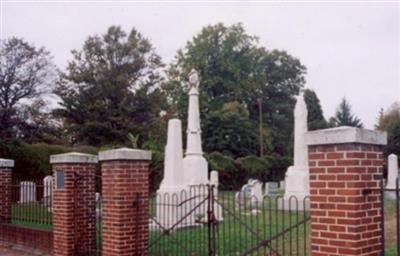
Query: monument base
(297, 187)
(182, 207)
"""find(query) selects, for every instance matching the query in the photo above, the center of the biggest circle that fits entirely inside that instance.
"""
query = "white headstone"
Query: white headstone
(282, 184)
(393, 171)
(250, 193)
(214, 181)
(27, 192)
(47, 191)
(271, 188)
(256, 192)
(98, 197)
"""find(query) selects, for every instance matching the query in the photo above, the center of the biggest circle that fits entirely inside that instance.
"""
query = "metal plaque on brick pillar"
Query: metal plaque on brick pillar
(59, 179)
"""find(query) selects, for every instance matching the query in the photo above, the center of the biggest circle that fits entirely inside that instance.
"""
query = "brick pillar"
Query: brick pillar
(74, 204)
(125, 174)
(6, 166)
(344, 162)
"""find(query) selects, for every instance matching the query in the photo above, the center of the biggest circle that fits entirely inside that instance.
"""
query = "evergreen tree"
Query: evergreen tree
(111, 89)
(345, 117)
(316, 118)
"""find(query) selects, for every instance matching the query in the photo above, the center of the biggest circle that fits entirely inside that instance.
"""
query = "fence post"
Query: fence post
(6, 166)
(345, 163)
(74, 204)
(125, 179)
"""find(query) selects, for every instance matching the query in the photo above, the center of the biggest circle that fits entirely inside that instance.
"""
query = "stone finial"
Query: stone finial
(6, 163)
(194, 79)
(124, 154)
(73, 157)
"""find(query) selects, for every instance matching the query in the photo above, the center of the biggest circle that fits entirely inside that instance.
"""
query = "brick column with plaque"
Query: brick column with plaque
(74, 204)
(6, 166)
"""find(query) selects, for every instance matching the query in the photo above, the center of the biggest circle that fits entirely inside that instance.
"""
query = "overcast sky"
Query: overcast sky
(350, 49)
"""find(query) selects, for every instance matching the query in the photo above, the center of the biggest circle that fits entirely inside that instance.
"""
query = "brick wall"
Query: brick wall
(345, 221)
(125, 175)
(38, 242)
(74, 206)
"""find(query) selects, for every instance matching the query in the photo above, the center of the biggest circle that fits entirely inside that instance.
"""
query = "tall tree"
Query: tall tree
(26, 73)
(238, 136)
(389, 121)
(233, 68)
(345, 117)
(111, 89)
(316, 118)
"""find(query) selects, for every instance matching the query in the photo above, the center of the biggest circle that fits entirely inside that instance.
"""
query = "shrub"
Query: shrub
(32, 160)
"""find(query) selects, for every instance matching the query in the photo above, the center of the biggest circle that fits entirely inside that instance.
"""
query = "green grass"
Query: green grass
(390, 227)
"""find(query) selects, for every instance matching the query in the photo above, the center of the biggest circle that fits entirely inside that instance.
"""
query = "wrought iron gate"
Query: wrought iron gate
(390, 214)
(203, 221)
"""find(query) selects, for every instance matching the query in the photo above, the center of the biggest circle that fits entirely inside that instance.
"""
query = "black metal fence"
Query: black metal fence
(390, 214)
(203, 221)
(31, 204)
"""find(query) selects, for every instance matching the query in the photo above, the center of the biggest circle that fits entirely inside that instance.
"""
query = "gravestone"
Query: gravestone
(271, 188)
(214, 181)
(393, 174)
(47, 192)
(282, 185)
(98, 207)
(27, 192)
(256, 192)
(250, 195)
(242, 197)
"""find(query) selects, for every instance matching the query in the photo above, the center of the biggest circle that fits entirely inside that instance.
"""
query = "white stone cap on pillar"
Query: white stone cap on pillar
(125, 154)
(73, 157)
(6, 163)
(346, 134)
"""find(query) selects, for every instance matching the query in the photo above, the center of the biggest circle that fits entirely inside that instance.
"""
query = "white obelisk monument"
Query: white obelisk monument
(297, 176)
(195, 165)
(173, 162)
(169, 193)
